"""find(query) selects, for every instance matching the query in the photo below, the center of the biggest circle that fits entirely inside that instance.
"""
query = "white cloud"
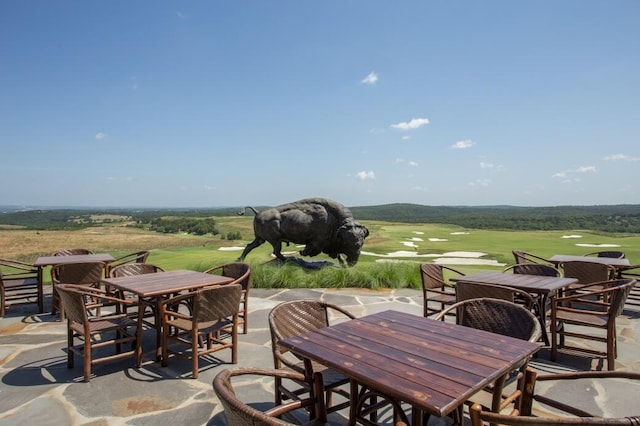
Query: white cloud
(565, 174)
(406, 138)
(181, 15)
(366, 175)
(484, 165)
(467, 143)
(413, 163)
(101, 135)
(415, 123)
(480, 182)
(586, 169)
(621, 157)
(370, 79)
(209, 188)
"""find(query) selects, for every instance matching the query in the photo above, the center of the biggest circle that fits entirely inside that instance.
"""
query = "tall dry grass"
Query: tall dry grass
(27, 245)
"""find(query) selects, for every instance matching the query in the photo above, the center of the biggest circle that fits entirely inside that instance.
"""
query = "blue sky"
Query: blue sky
(232, 103)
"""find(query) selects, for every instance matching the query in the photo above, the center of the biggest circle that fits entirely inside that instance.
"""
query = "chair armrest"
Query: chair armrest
(212, 269)
(99, 294)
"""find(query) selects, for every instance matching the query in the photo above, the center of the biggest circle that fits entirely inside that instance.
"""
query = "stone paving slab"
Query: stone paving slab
(36, 387)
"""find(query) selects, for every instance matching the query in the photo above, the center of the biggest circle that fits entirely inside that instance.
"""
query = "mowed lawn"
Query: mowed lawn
(387, 242)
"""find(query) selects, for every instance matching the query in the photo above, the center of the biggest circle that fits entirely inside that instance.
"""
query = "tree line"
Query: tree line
(624, 218)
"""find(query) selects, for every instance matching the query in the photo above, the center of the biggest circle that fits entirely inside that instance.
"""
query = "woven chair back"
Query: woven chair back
(73, 303)
(466, 291)
(239, 271)
(500, 317)
(614, 254)
(296, 317)
(215, 303)
(588, 272)
(130, 269)
(534, 269)
(73, 251)
(619, 297)
(78, 273)
(432, 275)
(240, 413)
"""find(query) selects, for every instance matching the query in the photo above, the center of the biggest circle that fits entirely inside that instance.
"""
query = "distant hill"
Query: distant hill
(613, 218)
(623, 218)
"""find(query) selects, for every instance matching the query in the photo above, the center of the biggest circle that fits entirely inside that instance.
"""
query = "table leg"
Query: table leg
(542, 317)
(40, 290)
(158, 326)
(353, 402)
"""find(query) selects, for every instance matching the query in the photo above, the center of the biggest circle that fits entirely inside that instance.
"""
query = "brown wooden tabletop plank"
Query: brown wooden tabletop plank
(436, 348)
(379, 377)
(394, 353)
(75, 258)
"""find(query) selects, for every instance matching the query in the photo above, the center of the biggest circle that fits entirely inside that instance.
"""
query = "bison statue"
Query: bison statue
(322, 225)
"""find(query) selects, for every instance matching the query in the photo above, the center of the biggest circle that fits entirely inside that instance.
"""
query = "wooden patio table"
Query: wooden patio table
(152, 288)
(432, 365)
(43, 261)
(619, 264)
(543, 286)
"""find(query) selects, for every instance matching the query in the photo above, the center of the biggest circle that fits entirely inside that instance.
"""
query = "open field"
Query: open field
(468, 250)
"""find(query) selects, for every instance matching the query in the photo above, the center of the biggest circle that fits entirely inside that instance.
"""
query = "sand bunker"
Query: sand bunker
(449, 258)
(459, 233)
(571, 236)
(409, 244)
(435, 240)
(598, 245)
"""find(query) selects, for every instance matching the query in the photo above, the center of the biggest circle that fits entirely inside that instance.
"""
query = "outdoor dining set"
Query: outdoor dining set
(467, 358)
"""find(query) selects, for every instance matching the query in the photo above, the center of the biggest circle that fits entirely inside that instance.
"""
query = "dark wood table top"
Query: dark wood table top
(75, 258)
(529, 283)
(432, 365)
(161, 283)
(616, 263)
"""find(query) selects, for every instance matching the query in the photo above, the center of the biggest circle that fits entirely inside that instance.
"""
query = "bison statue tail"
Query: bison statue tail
(242, 212)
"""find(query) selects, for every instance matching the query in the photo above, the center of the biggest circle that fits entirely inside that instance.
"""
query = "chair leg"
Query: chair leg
(87, 358)
(165, 346)
(70, 353)
(194, 353)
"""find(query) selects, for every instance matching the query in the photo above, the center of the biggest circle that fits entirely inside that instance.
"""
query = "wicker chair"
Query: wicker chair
(435, 288)
(615, 254)
(19, 281)
(292, 319)
(590, 310)
(524, 257)
(86, 273)
(212, 309)
(587, 273)
(501, 317)
(558, 412)
(241, 272)
(240, 413)
(93, 331)
(135, 258)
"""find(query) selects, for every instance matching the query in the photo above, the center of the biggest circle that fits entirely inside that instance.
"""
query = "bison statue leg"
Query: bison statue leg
(253, 244)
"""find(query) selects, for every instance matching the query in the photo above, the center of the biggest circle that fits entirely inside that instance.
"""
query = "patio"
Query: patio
(38, 388)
